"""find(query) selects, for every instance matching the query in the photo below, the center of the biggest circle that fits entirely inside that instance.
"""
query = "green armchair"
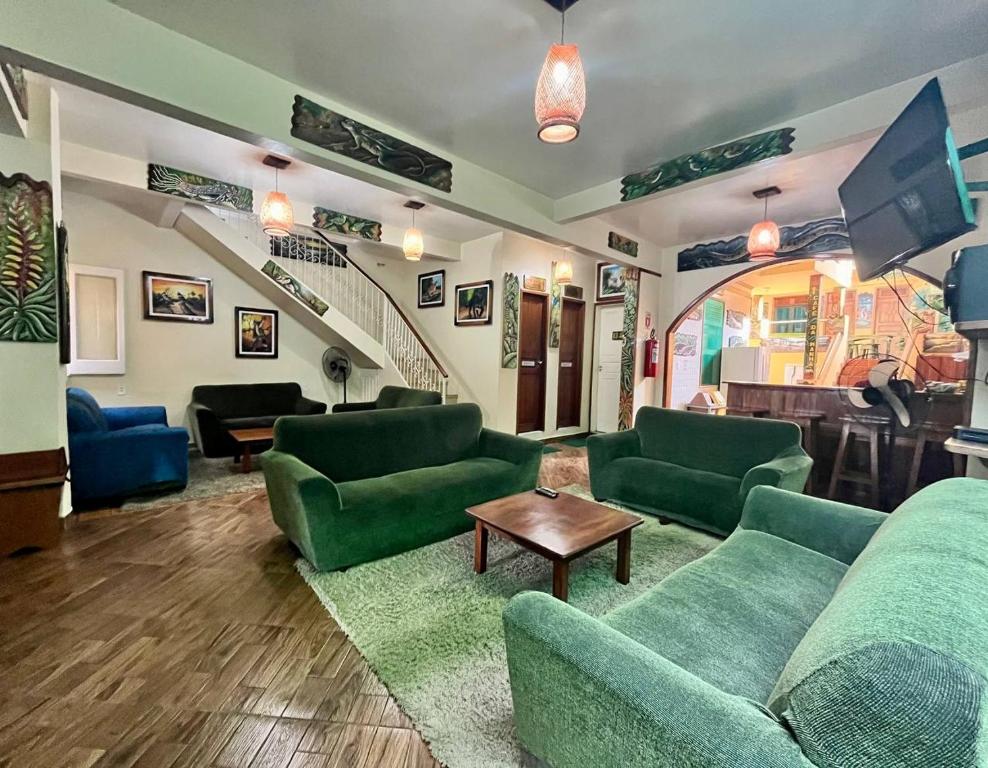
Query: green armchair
(818, 634)
(695, 468)
(393, 397)
(355, 487)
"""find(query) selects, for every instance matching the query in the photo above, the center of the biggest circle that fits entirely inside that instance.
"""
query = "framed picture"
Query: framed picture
(177, 297)
(257, 332)
(432, 289)
(474, 302)
(610, 282)
(533, 283)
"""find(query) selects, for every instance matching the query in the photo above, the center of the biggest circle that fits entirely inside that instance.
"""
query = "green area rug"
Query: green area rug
(431, 629)
(551, 449)
(576, 442)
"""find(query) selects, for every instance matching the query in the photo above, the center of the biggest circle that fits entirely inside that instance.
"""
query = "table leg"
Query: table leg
(245, 463)
(480, 548)
(560, 579)
(623, 574)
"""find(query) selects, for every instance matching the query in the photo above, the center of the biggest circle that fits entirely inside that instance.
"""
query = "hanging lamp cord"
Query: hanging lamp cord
(562, 32)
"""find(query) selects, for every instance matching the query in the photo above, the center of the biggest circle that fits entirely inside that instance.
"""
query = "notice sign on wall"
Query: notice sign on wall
(812, 321)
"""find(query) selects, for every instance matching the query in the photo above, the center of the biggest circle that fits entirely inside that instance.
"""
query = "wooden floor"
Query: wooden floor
(183, 636)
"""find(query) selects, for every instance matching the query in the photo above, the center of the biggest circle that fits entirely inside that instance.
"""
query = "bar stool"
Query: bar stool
(754, 411)
(809, 423)
(928, 432)
(877, 429)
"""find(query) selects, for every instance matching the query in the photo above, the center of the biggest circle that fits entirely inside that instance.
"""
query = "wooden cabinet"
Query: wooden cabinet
(30, 496)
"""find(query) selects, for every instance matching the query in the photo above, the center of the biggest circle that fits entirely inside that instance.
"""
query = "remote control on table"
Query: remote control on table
(547, 492)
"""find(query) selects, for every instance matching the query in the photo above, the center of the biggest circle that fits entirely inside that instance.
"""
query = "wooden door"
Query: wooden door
(607, 376)
(531, 362)
(570, 394)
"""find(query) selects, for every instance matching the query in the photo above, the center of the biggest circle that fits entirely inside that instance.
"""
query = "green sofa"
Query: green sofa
(694, 468)
(393, 397)
(355, 487)
(817, 634)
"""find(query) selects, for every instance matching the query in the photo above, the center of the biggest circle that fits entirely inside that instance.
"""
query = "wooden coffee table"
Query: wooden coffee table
(246, 438)
(559, 529)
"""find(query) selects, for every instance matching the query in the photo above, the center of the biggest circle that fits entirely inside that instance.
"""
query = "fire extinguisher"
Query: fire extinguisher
(651, 357)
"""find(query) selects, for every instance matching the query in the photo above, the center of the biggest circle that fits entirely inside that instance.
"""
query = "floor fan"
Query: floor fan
(337, 366)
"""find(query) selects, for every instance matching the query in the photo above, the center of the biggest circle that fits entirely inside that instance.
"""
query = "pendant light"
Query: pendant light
(413, 246)
(564, 272)
(561, 92)
(277, 216)
(764, 241)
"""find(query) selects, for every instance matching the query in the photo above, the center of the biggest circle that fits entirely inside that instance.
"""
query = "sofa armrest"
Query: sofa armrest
(210, 437)
(517, 450)
(789, 471)
(603, 449)
(586, 695)
(837, 530)
(122, 418)
(306, 407)
(105, 451)
(303, 504)
(350, 407)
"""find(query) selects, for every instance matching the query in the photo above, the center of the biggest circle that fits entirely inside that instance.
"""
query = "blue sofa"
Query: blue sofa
(119, 452)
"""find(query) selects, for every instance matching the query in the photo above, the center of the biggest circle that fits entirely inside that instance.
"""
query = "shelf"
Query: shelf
(966, 447)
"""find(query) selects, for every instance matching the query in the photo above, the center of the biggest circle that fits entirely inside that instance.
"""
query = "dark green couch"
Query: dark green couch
(393, 397)
(805, 639)
(355, 487)
(695, 468)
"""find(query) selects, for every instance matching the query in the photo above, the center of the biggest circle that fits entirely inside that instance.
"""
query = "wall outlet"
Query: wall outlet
(122, 390)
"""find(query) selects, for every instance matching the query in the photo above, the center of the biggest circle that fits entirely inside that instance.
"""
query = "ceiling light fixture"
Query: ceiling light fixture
(564, 272)
(413, 246)
(277, 216)
(764, 241)
(561, 92)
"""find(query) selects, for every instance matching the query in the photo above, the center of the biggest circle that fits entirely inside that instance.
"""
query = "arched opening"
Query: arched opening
(768, 311)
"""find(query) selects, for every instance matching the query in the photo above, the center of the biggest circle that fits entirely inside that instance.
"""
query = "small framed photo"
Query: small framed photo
(610, 282)
(534, 283)
(177, 297)
(473, 303)
(432, 289)
(257, 332)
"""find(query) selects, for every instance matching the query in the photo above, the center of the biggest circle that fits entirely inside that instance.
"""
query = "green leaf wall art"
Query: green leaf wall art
(202, 189)
(555, 310)
(290, 284)
(707, 162)
(626, 399)
(345, 224)
(509, 321)
(346, 136)
(28, 284)
(622, 244)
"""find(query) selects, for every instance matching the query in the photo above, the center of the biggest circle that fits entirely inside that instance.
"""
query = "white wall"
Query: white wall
(166, 359)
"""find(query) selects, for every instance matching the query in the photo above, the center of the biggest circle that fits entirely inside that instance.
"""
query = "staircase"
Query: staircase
(361, 316)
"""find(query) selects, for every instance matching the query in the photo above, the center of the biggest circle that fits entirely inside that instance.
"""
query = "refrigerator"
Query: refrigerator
(742, 364)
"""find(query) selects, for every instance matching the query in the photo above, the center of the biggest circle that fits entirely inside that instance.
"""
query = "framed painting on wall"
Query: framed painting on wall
(473, 303)
(257, 332)
(432, 289)
(177, 297)
(610, 282)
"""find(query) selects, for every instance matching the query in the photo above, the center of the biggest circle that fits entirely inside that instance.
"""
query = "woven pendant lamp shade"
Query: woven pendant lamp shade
(561, 95)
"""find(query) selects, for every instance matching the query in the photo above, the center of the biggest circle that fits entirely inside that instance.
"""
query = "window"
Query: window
(789, 314)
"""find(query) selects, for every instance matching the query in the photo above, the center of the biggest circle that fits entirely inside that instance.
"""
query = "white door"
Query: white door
(607, 371)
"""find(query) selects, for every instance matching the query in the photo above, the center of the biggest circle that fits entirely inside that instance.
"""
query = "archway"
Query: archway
(766, 306)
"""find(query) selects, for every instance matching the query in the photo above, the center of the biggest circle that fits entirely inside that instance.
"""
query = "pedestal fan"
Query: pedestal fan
(337, 366)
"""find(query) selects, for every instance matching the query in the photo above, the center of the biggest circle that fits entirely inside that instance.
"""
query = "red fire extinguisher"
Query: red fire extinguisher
(651, 358)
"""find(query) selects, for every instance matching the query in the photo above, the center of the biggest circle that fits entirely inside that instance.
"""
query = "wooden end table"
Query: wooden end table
(559, 530)
(247, 438)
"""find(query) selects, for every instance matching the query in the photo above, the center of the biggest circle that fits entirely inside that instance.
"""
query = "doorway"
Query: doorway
(606, 391)
(532, 334)
(570, 392)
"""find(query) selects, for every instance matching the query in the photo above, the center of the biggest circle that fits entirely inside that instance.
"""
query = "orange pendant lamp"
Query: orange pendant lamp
(561, 92)
(413, 244)
(277, 216)
(764, 240)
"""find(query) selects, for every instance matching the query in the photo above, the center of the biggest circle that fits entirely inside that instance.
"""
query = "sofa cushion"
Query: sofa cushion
(894, 670)
(405, 397)
(84, 413)
(370, 444)
(702, 499)
(727, 445)
(229, 401)
(734, 616)
(401, 509)
(249, 422)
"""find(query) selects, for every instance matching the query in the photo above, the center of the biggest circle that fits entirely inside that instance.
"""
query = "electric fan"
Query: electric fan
(337, 366)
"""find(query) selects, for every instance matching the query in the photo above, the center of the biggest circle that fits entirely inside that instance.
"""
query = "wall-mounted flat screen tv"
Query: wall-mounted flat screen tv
(907, 195)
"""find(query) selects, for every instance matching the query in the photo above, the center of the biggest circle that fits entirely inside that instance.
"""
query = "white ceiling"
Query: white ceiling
(114, 126)
(664, 78)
